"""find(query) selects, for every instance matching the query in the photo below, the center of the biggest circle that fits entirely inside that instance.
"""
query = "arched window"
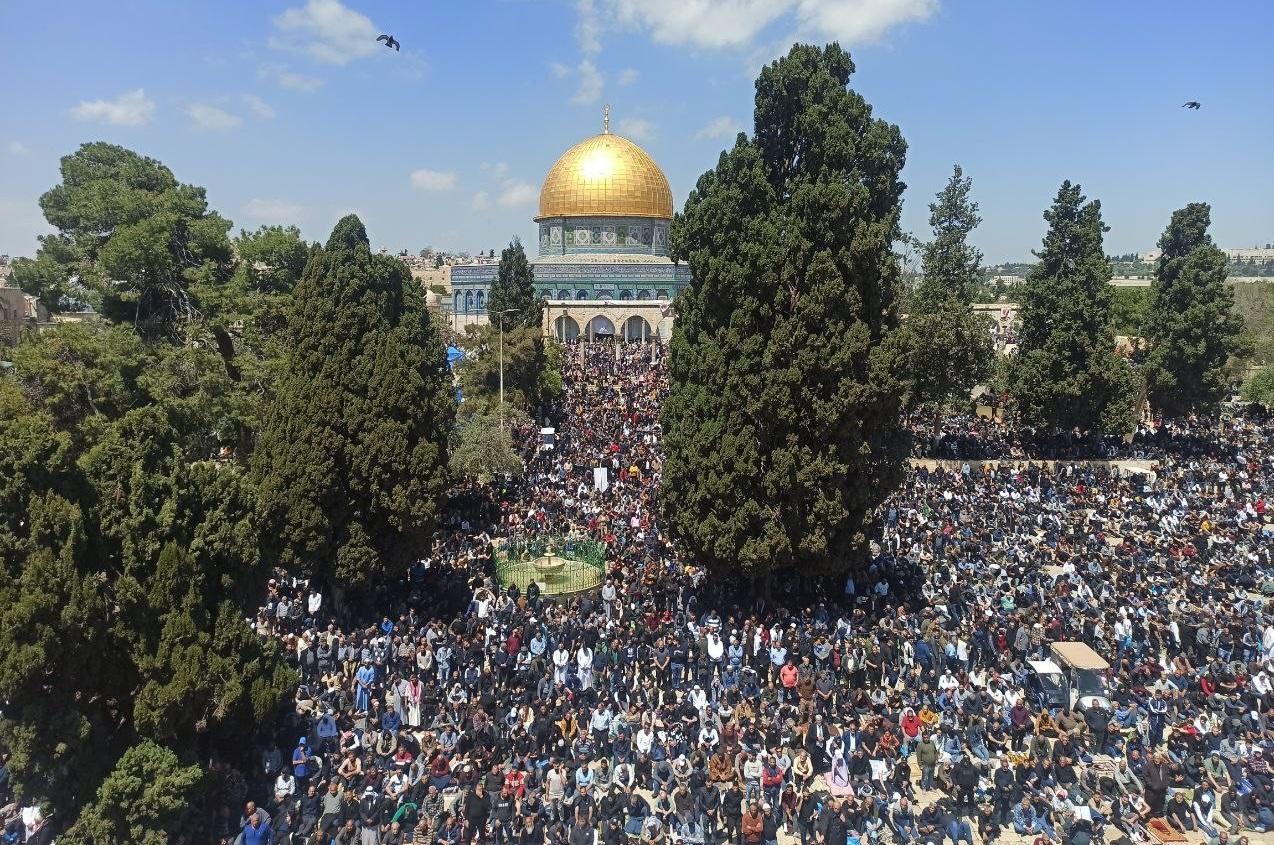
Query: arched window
(468, 301)
(482, 301)
(581, 294)
(637, 329)
(625, 294)
(566, 329)
(459, 300)
(644, 294)
(600, 327)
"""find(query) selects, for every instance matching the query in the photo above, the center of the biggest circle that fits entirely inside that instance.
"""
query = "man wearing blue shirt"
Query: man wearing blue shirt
(256, 833)
(301, 762)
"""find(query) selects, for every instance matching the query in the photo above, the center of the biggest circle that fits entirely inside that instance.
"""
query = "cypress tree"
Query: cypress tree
(951, 346)
(1067, 375)
(783, 425)
(352, 458)
(1190, 323)
(513, 289)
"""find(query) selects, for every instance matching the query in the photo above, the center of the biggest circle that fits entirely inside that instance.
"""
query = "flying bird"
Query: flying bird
(1193, 104)
(389, 41)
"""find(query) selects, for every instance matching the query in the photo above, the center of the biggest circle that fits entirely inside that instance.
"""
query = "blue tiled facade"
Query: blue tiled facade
(603, 235)
(584, 258)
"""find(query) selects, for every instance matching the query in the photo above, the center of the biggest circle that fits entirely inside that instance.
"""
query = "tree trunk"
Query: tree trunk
(225, 347)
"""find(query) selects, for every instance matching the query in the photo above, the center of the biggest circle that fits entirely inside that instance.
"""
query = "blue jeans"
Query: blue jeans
(959, 831)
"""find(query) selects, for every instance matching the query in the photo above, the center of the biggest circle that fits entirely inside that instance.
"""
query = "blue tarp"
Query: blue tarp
(454, 355)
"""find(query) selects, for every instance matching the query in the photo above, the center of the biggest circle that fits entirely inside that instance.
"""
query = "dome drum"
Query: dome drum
(615, 235)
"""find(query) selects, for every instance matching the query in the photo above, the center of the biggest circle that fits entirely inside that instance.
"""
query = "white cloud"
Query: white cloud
(498, 170)
(258, 106)
(706, 23)
(212, 118)
(432, 180)
(588, 27)
(481, 200)
(636, 128)
(273, 211)
(17, 148)
(628, 76)
(516, 193)
(719, 127)
(290, 80)
(591, 83)
(302, 82)
(327, 31)
(738, 23)
(588, 34)
(857, 21)
(132, 108)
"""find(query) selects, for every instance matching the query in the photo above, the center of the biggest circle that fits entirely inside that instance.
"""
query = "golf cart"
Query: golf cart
(1070, 680)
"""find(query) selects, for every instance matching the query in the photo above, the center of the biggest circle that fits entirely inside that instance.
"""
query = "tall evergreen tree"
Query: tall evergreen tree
(1067, 375)
(352, 458)
(1190, 323)
(951, 348)
(128, 558)
(513, 289)
(783, 426)
(128, 564)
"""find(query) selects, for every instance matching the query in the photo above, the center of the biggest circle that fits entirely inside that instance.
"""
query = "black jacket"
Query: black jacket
(369, 807)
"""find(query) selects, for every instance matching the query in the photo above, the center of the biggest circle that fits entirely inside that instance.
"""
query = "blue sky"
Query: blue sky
(287, 111)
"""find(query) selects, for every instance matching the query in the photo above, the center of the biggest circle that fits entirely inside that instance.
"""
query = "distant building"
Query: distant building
(1152, 256)
(17, 311)
(1007, 281)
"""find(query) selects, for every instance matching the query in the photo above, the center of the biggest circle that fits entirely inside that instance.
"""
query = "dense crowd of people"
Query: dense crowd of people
(983, 438)
(897, 706)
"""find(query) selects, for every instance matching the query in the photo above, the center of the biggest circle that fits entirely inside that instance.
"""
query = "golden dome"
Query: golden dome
(605, 176)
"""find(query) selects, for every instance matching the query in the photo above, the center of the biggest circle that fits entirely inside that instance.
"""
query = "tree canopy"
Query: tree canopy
(482, 447)
(129, 538)
(131, 240)
(352, 456)
(513, 290)
(783, 426)
(1189, 323)
(130, 560)
(1067, 375)
(142, 801)
(1260, 387)
(532, 369)
(950, 345)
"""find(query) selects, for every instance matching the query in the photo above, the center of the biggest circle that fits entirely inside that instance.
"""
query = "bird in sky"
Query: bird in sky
(388, 41)
(1193, 104)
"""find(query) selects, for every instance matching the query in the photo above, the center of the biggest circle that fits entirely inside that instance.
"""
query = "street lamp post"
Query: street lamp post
(499, 323)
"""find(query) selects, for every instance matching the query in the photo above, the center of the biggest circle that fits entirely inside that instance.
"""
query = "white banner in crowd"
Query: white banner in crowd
(601, 479)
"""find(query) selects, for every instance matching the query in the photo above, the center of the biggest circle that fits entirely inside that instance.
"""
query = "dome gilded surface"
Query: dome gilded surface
(605, 176)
